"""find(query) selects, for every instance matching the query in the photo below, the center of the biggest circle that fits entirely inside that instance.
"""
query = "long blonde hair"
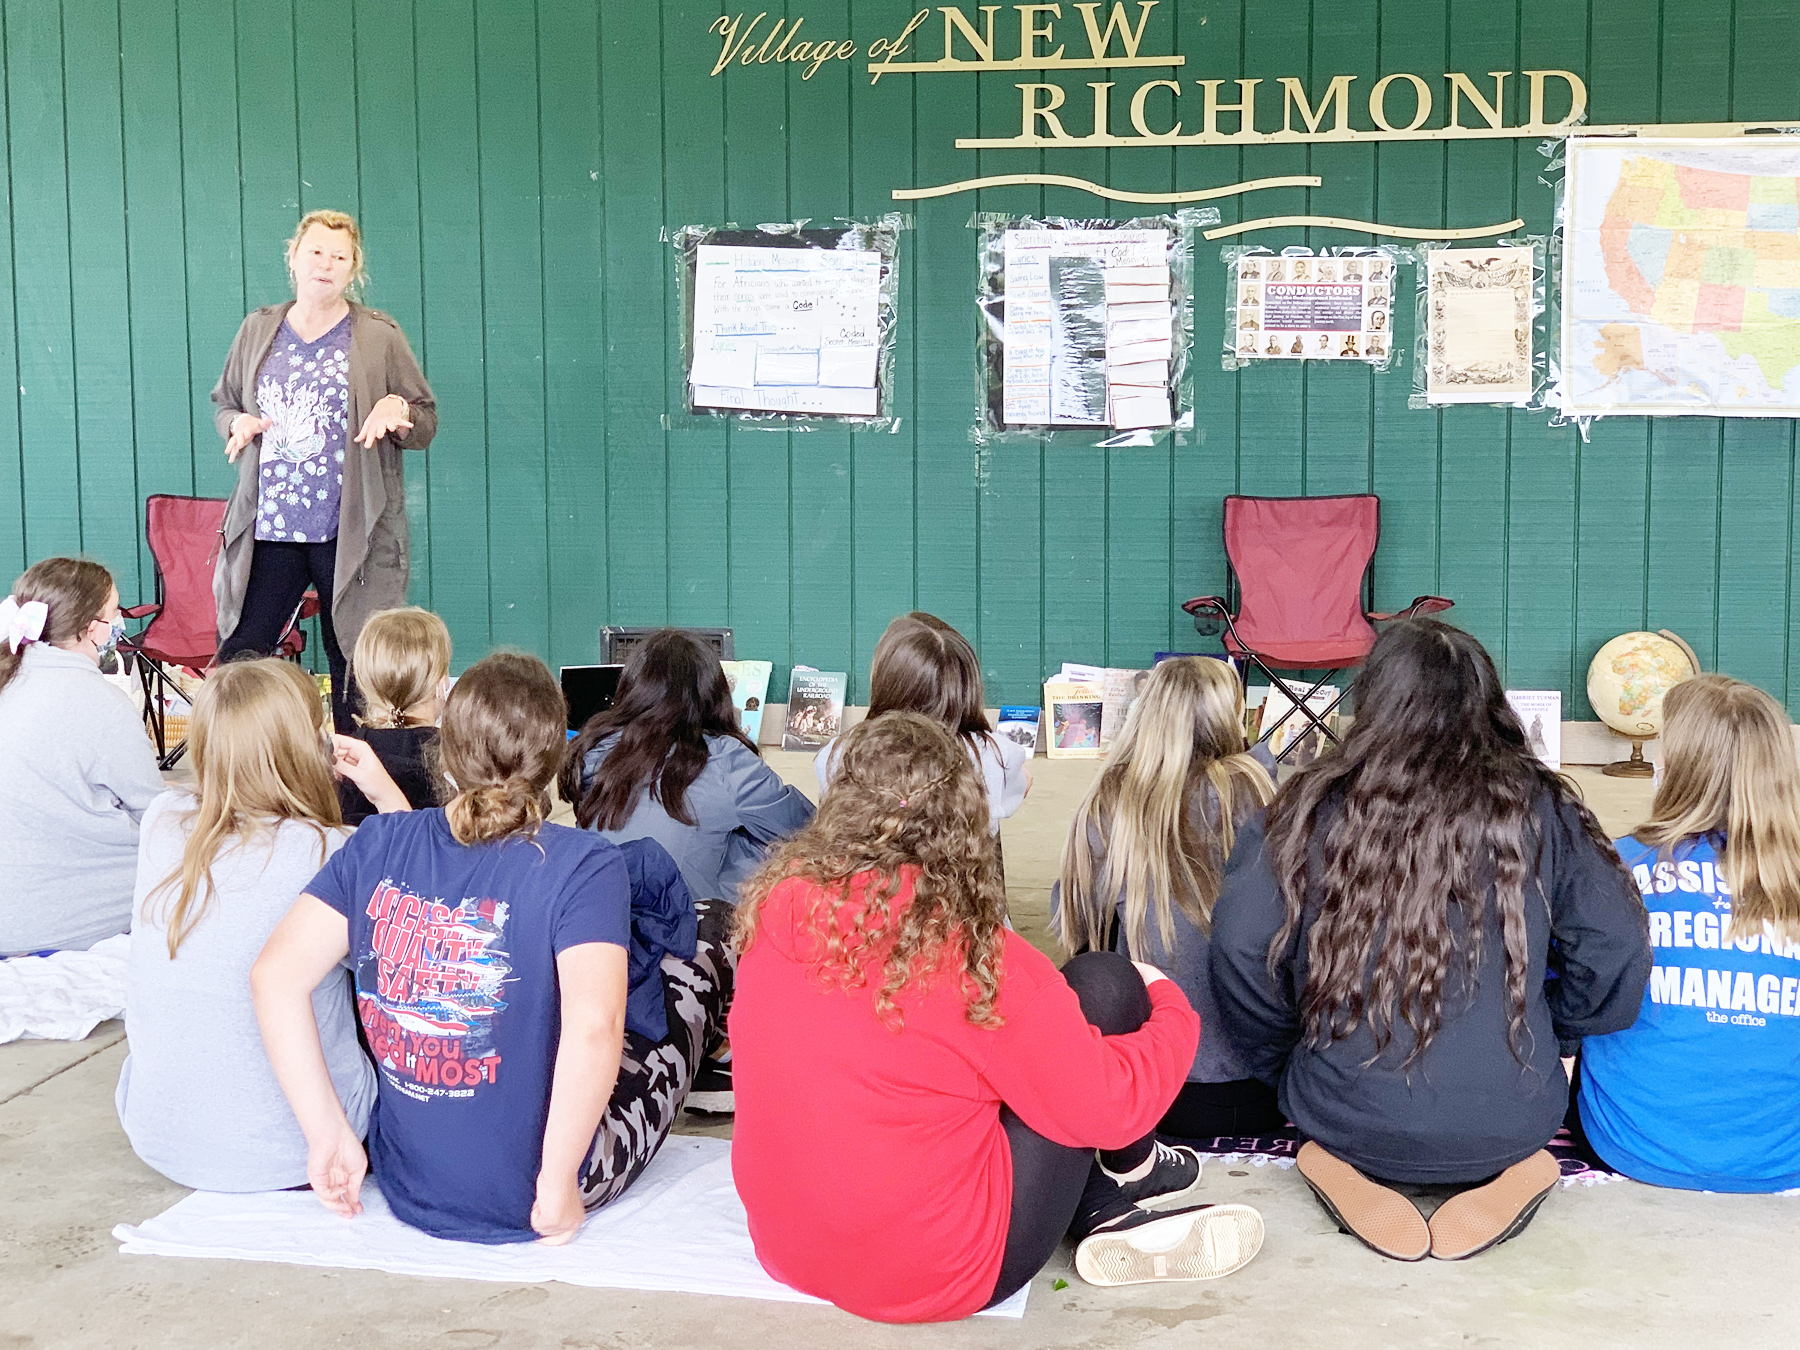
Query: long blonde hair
(500, 743)
(905, 796)
(1729, 766)
(401, 657)
(256, 739)
(1185, 734)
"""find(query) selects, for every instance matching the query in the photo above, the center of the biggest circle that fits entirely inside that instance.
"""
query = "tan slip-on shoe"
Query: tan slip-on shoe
(1381, 1219)
(1486, 1216)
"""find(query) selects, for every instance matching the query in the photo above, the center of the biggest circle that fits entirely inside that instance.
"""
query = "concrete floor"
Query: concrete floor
(1616, 1265)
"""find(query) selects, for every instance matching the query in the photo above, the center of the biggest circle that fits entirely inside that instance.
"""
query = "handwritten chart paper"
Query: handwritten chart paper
(786, 329)
(1089, 328)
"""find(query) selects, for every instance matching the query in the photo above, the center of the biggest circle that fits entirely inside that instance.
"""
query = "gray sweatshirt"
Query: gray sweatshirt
(196, 1095)
(76, 774)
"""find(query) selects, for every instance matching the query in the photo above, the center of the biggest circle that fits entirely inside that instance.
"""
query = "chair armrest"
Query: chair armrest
(140, 611)
(1425, 604)
(1199, 602)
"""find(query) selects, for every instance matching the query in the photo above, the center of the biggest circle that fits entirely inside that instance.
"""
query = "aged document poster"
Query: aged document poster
(1478, 325)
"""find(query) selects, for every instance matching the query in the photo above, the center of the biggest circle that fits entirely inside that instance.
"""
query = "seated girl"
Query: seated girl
(923, 665)
(217, 869)
(1379, 952)
(1145, 857)
(78, 771)
(1703, 1090)
(402, 671)
(517, 1084)
(669, 762)
(920, 1091)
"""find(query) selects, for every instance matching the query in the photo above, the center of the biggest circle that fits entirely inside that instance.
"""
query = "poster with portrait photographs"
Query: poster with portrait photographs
(1304, 306)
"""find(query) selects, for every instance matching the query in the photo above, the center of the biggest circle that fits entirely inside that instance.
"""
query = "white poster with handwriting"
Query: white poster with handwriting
(1089, 328)
(786, 329)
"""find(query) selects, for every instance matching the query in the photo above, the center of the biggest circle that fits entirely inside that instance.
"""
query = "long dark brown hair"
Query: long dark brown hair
(672, 695)
(74, 590)
(1428, 809)
(906, 797)
(923, 665)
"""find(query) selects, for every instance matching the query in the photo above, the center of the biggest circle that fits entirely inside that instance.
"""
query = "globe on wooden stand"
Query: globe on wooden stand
(1635, 767)
(1626, 683)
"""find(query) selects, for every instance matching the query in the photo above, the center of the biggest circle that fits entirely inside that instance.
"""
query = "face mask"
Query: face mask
(106, 649)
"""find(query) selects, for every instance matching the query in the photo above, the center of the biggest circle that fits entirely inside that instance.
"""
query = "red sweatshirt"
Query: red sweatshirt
(872, 1162)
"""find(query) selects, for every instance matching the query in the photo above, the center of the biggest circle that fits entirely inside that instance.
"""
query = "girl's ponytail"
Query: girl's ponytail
(499, 745)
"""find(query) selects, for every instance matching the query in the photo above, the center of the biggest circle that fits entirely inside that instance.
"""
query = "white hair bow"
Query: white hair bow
(24, 623)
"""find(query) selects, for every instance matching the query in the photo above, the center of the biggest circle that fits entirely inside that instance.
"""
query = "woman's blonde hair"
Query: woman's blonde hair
(401, 657)
(1184, 736)
(256, 741)
(1730, 767)
(906, 799)
(333, 220)
(500, 743)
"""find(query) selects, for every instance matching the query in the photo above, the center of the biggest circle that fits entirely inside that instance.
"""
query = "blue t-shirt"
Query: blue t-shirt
(455, 955)
(1703, 1090)
(303, 389)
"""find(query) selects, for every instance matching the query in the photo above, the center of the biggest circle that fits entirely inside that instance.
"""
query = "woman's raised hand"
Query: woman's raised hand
(244, 429)
(389, 414)
(356, 761)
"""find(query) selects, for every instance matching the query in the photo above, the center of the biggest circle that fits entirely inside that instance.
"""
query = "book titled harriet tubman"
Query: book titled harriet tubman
(815, 710)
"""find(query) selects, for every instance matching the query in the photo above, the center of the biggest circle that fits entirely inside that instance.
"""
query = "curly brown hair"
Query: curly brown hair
(906, 798)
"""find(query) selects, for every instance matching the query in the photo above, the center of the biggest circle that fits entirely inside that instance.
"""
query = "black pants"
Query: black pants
(279, 576)
(1049, 1178)
(1210, 1110)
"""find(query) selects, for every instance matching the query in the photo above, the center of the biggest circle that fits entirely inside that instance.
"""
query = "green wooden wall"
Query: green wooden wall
(514, 166)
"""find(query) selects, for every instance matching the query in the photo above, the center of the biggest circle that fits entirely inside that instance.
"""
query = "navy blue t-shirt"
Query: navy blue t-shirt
(455, 955)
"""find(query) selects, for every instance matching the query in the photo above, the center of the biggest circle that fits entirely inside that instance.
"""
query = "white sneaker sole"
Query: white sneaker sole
(1202, 1246)
(712, 1103)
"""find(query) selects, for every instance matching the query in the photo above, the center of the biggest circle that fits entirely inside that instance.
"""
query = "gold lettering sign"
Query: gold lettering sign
(1044, 37)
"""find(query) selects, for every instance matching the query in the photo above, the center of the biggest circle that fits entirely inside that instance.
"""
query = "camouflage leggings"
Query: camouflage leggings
(654, 1076)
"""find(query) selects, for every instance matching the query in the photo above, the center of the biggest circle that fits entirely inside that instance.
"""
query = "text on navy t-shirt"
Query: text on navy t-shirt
(455, 950)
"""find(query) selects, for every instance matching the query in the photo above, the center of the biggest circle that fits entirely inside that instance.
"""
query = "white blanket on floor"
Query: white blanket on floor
(679, 1228)
(64, 996)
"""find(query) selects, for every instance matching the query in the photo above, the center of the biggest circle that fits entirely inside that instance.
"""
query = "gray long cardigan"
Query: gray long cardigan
(372, 552)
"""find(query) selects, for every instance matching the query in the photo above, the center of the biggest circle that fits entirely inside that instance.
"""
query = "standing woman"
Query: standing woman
(317, 504)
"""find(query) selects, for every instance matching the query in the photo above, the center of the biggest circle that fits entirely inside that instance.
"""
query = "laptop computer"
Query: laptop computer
(589, 690)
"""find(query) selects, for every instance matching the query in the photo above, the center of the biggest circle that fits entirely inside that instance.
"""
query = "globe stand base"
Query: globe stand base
(1635, 767)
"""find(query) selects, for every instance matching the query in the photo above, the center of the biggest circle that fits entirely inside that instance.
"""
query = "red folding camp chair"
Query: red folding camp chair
(183, 533)
(1299, 576)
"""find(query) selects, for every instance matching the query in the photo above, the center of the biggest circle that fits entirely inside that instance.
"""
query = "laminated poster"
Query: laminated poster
(1478, 325)
(1681, 277)
(791, 330)
(1314, 309)
(1090, 329)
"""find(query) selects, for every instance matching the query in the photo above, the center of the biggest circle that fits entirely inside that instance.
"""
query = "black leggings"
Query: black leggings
(280, 572)
(1049, 1178)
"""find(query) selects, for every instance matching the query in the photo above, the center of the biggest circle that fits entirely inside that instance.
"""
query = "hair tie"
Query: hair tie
(902, 799)
(22, 624)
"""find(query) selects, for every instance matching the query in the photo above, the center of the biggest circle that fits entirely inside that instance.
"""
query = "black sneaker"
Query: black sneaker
(711, 1093)
(1138, 1246)
(1174, 1176)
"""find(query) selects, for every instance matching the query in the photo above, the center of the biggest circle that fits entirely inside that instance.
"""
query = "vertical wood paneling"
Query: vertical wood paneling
(515, 164)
